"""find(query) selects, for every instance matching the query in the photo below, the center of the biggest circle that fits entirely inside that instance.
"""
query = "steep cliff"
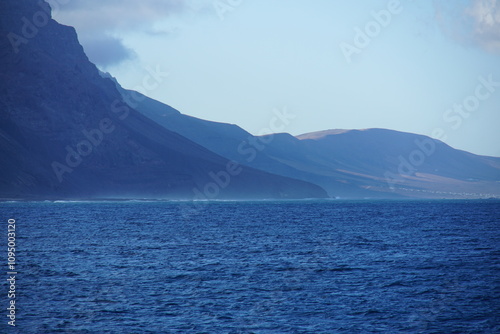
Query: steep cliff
(66, 132)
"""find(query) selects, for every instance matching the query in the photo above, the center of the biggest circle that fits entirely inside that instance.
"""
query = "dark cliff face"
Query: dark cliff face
(66, 132)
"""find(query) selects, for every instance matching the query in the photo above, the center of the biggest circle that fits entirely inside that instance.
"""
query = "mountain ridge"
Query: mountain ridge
(342, 176)
(71, 131)
(67, 133)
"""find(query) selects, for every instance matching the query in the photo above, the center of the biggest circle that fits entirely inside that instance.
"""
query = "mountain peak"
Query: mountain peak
(321, 134)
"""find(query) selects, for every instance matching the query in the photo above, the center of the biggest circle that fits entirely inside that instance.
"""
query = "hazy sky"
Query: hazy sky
(428, 66)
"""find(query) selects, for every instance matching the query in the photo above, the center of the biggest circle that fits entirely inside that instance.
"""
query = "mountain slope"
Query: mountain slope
(408, 164)
(236, 144)
(67, 133)
(371, 151)
(348, 163)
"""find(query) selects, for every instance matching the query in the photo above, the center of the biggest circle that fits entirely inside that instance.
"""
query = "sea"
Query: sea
(328, 266)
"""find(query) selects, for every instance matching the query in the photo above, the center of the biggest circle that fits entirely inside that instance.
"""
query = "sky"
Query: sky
(430, 67)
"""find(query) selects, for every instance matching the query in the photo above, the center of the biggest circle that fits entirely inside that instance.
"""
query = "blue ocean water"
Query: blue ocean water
(255, 267)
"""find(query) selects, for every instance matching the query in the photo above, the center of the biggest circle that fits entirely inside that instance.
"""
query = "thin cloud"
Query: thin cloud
(97, 20)
(473, 22)
(110, 15)
(486, 17)
(107, 51)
